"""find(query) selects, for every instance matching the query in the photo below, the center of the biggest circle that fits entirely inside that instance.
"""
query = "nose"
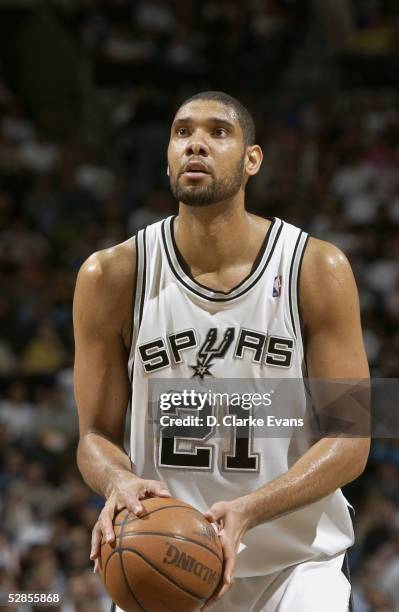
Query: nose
(197, 146)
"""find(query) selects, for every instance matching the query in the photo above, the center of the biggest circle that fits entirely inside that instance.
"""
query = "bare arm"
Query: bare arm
(102, 319)
(101, 381)
(330, 309)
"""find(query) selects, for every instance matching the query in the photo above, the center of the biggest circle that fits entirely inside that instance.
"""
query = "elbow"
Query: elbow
(82, 453)
(79, 454)
(359, 457)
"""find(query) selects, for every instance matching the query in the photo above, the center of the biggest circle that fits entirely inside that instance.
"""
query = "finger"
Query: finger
(228, 566)
(105, 521)
(220, 592)
(132, 503)
(217, 512)
(208, 604)
(223, 590)
(229, 558)
(95, 542)
(157, 488)
(212, 519)
(228, 571)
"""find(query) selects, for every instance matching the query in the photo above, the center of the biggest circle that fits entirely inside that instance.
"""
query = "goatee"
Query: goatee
(203, 195)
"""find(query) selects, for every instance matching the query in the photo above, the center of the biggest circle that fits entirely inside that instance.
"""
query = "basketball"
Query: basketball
(169, 559)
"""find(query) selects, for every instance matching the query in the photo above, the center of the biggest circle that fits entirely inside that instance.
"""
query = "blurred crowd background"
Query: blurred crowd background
(87, 92)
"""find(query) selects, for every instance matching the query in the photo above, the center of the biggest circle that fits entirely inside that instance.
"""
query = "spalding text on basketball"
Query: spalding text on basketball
(175, 556)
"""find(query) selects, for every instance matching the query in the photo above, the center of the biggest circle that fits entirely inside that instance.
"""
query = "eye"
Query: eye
(220, 132)
(181, 131)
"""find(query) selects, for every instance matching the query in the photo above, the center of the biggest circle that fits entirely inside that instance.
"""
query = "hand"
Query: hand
(125, 493)
(231, 518)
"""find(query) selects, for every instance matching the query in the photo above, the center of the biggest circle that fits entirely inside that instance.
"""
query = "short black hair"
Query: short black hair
(245, 118)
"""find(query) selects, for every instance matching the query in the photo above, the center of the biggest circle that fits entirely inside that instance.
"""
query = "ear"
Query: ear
(254, 160)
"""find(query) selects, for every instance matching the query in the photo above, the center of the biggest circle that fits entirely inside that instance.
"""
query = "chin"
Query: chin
(196, 202)
(195, 196)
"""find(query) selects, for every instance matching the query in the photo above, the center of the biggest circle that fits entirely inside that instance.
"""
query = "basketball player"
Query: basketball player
(274, 299)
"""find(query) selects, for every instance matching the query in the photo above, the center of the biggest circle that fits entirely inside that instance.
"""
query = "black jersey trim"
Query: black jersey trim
(346, 572)
(303, 335)
(134, 293)
(144, 283)
(134, 298)
(257, 273)
(253, 272)
(290, 282)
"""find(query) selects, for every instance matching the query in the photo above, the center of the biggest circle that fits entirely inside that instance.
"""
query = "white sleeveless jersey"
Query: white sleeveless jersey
(183, 330)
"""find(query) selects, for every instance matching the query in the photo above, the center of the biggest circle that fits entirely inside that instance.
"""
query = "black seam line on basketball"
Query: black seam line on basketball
(229, 294)
(253, 273)
(144, 278)
(138, 518)
(117, 549)
(305, 244)
(121, 534)
(157, 569)
(227, 299)
(134, 298)
(128, 584)
(290, 282)
(176, 536)
(119, 537)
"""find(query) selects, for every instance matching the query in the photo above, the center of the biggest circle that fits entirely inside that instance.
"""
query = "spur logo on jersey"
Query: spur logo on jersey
(208, 351)
(256, 346)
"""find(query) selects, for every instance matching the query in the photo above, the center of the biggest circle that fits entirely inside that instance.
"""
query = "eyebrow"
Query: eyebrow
(213, 120)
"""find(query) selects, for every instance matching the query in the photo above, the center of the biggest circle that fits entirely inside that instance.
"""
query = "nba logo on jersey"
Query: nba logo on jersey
(277, 286)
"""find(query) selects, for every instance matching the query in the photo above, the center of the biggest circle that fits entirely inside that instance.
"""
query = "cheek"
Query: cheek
(171, 165)
(173, 159)
(228, 164)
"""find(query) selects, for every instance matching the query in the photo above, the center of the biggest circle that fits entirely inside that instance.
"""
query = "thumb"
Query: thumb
(216, 512)
(210, 516)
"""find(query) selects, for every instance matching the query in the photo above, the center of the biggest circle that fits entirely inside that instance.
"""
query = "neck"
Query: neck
(209, 237)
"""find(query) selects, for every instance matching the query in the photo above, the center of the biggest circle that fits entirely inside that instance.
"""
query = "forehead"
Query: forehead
(201, 110)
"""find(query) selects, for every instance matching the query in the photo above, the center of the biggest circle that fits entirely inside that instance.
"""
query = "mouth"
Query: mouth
(196, 170)
(195, 176)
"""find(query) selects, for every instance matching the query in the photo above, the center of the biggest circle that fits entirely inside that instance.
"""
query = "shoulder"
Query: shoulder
(322, 257)
(111, 267)
(105, 283)
(327, 283)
